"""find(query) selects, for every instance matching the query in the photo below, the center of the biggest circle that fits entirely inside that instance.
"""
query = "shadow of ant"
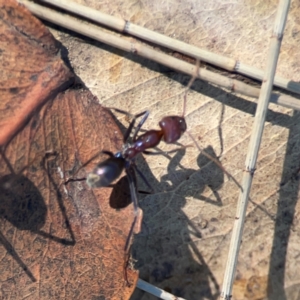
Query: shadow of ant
(153, 240)
(157, 235)
(211, 177)
(23, 206)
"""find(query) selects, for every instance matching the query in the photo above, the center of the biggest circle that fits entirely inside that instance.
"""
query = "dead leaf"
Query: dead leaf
(32, 71)
(68, 236)
(60, 240)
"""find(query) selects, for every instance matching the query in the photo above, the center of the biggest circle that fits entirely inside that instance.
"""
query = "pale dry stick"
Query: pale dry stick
(95, 33)
(151, 289)
(254, 145)
(122, 25)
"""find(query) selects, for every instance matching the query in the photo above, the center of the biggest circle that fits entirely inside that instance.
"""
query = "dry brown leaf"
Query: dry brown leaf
(58, 240)
(31, 69)
(66, 235)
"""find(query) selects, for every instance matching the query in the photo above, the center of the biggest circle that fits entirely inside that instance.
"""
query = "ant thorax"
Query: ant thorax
(125, 153)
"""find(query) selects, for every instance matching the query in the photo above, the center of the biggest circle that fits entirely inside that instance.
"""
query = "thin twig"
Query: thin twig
(254, 145)
(94, 32)
(151, 289)
(122, 25)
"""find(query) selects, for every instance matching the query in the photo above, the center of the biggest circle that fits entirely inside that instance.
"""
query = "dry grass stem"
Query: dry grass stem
(153, 290)
(254, 145)
(94, 32)
(121, 25)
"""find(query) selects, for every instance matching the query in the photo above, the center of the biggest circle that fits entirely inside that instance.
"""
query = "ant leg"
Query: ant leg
(138, 214)
(137, 211)
(129, 129)
(143, 177)
(137, 129)
(164, 152)
(127, 113)
(197, 68)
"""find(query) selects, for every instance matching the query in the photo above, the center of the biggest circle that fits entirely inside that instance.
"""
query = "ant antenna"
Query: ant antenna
(193, 78)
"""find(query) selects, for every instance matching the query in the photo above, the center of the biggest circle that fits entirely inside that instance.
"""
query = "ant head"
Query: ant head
(173, 127)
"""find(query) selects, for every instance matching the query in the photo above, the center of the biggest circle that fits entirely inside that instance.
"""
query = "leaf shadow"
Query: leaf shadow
(23, 206)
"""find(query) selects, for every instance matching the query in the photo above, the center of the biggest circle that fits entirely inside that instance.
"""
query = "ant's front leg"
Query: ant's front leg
(165, 152)
(131, 125)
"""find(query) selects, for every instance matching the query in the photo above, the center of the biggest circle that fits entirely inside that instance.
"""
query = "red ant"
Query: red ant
(171, 129)
(106, 172)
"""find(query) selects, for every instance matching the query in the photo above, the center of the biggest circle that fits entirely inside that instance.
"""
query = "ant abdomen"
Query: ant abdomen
(173, 127)
(106, 172)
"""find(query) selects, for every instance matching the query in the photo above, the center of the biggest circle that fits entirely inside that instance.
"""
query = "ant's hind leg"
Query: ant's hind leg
(137, 129)
(166, 152)
(136, 223)
(141, 123)
(126, 112)
(138, 213)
